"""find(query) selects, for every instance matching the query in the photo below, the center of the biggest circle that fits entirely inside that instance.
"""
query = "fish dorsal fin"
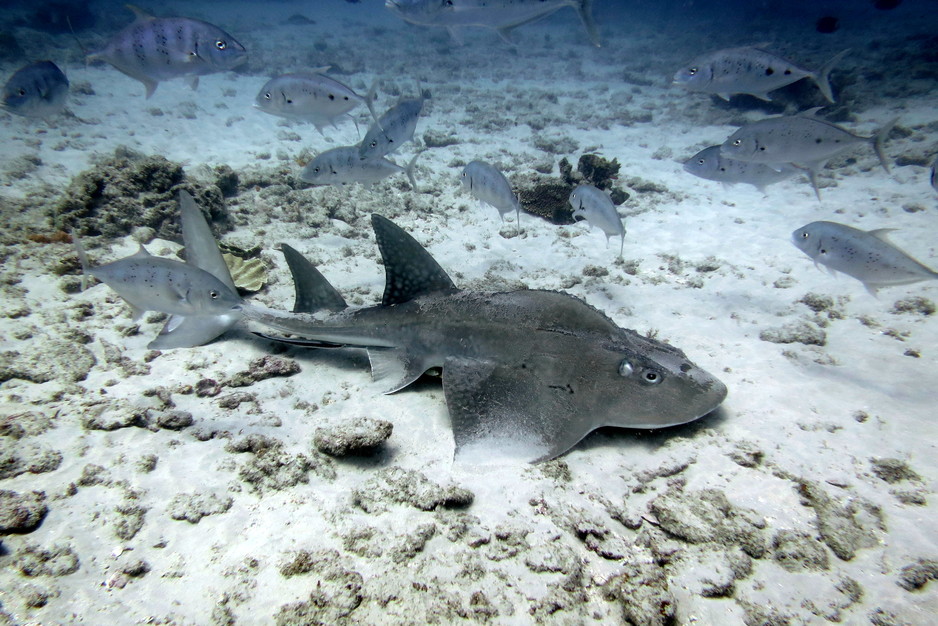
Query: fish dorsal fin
(200, 245)
(410, 271)
(141, 253)
(812, 112)
(313, 291)
(883, 234)
(139, 14)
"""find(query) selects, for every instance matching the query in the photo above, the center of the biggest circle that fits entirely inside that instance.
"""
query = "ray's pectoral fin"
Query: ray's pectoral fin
(502, 411)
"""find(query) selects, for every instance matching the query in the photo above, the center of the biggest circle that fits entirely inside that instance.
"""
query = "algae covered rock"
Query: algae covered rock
(128, 190)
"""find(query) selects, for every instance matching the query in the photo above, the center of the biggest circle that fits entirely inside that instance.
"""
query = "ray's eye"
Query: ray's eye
(652, 377)
(213, 294)
(701, 161)
(625, 369)
(738, 142)
(221, 44)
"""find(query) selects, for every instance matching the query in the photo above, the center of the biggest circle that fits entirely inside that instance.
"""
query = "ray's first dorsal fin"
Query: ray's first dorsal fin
(313, 291)
(410, 271)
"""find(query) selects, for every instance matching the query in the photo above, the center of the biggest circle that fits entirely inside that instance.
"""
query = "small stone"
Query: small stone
(893, 470)
(917, 575)
(21, 513)
(360, 437)
(174, 420)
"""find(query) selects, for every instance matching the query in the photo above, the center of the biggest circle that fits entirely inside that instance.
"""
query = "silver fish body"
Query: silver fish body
(803, 140)
(867, 256)
(530, 372)
(500, 15)
(596, 207)
(711, 165)
(154, 49)
(489, 186)
(749, 70)
(393, 129)
(343, 166)
(307, 96)
(38, 90)
(150, 283)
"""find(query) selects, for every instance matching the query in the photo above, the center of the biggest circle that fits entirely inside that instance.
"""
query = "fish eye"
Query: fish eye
(692, 71)
(625, 368)
(213, 294)
(221, 44)
(374, 143)
(315, 170)
(804, 235)
(21, 91)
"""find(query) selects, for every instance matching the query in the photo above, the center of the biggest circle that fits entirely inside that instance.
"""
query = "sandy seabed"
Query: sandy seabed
(190, 486)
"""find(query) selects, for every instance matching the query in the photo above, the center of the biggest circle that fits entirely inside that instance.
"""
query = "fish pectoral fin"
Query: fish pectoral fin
(136, 313)
(500, 410)
(396, 365)
(188, 332)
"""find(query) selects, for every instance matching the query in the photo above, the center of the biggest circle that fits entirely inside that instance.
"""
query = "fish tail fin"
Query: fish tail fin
(370, 102)
(822, 77)
(879, 140)
(409, 170)
(584, 9)
(313, 292)
(82, 259)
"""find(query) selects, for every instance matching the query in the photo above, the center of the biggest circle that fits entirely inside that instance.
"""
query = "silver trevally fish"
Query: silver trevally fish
(749, 70)
(151, 283)
(802, 139)
(526, 373)
(393, 129)
(38, 90)
(309, 97)
(152, 49)
(501, 15)
(596, 207)
(202, 252)
(343, 165)
(489, 186)
(711, 165)
(868, 256)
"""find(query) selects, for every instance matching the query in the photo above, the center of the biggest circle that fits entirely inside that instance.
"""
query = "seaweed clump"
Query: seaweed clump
(128, 190)
(550, 197)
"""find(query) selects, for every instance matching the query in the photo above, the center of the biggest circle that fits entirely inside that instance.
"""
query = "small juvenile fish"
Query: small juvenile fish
(749, 70)
(151, 283)
(152, 49)
(867, 256)
(342, 166)
(38, 90)
(309, 97)
(393, 129)
(489, 186)
(501, 15)
(801, 139)
(711, 165)
(596, 207)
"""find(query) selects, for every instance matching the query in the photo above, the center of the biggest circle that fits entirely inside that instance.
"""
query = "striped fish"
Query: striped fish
(160, 48)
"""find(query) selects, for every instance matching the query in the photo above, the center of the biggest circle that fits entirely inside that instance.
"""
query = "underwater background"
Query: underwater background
(243, 481)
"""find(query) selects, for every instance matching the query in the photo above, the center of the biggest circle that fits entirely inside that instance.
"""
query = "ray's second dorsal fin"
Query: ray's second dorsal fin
(410, 271)
(313, 292)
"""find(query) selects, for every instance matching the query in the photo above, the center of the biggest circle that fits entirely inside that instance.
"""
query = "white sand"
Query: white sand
(564, 542)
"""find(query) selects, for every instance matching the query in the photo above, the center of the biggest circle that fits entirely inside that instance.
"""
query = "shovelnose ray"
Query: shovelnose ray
(526, 373)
